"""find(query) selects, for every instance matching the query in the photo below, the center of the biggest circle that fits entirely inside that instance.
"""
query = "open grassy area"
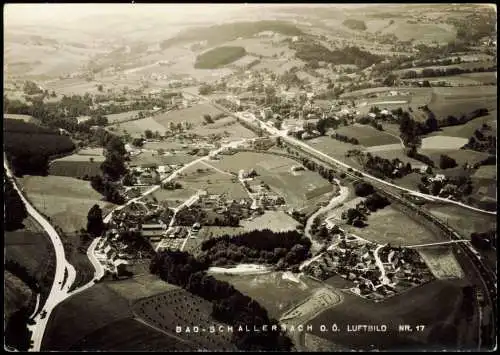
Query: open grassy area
(462, 220)
(136, 128)
(212, 181)
(31, 248)
(390, 225)
(149, 157)
(178, 307)
(193, 114)
(442, 262)
(174, 197)
(486, 172)
(332, 147)
(76, 166)
(433, 305)
(227, 127)
(298, 190)
(65, 200)
(458, 101)
(277, 221)
(467, 130)
(122, 116)
(461, 156)
(274, 292)
(367, 135)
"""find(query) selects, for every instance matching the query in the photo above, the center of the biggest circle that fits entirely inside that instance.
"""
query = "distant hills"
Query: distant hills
(219, 34)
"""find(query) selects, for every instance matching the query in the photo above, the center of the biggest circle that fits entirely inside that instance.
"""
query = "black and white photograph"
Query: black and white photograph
(301, 177)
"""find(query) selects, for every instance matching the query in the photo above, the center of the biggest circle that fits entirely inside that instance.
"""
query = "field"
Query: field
(218, 57)
(16, 294)
(466, 79)
(467, 130)
(76, 167)
(443, 142)
(332, 147)
(458, 101)
(31, 248)
(460, 155)
(368, 136)
(193, 114)
(174, 197)
(149, 157)
(486, 172)
(136, 128)
(277, 221)
(297, 190)
(123, 116)
(463, 221)
(424, 32)
(442, 262)
(212, 181)
(273, 291)
(209, 232)
(436, 305)
(65, 200)
(227, 127)
(377, 229)
(181, 308)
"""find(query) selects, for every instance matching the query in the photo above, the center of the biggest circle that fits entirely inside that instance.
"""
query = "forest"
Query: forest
(29, 147)
(219, 57)
(283, 249)
(228, 304)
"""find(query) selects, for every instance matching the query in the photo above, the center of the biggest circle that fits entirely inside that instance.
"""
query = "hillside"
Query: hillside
(355, 24)
(227, 32)
(218, 57)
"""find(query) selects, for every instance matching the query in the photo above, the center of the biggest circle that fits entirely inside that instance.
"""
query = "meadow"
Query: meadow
(367, 135)
(442, 262)
(277, 221)
(65, 200)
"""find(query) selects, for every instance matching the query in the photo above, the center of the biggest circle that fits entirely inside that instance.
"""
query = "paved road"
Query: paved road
(251, 119)
(60, 286)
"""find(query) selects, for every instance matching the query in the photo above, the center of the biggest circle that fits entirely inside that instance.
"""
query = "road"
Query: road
(251, 119)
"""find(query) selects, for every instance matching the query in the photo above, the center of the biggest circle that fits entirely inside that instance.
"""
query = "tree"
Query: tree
(15, 211)
(95, 224)
(363, 189)
(446, 162)
(148, 134)
(138, 142)
(113, 167)
(208, 119)
(100, 87)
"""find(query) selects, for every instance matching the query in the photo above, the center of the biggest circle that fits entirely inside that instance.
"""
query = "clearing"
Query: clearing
(65, 200)
(368, 136)
(442, 262)
(443, 142)
(277, 221)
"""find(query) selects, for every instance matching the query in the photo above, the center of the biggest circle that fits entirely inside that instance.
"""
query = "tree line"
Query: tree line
(285, 249)
(15, 210)
(229, 305)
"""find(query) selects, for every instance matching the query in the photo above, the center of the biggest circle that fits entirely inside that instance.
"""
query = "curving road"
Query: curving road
(251, 119)
(60, 286)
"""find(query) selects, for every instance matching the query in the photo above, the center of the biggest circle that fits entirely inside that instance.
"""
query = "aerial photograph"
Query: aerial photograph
(250, 177)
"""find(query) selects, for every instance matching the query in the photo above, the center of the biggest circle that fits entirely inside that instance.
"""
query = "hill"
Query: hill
(227, 32)
(218, 57)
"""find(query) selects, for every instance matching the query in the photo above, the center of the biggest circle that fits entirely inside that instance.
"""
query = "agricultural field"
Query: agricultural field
(423, 32)
(193, 114)
(136, 128)
(377, 231)
(417, 306)
(466, 79)
(443, 142)
(90, 311)
(65, 200)
(442, 262)
(277, 221)
(227, 127)
(150, 157)
(332, 147)
(123, 116)
(174, 198)
(209, 232)
(486, 172)
(212, 181)
(466, 130)
(31, 248)
(76, 166)
(298, 190)
(274, 291)
(462, 220)
(179, 307)
(367, 135)
(16, 294)
(460, 155)
(458, 101)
